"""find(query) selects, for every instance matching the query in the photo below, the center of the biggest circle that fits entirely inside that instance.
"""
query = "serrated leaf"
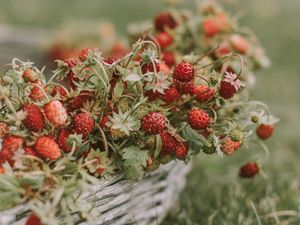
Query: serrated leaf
(35, 181)
(133, 77)
(119, 89)
(196, 141)
(158, 145)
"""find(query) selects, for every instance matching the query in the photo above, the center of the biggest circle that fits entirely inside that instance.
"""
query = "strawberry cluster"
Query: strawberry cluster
(98, 116)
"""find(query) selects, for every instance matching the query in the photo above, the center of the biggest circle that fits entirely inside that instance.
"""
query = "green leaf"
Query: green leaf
(119, 89)
(133, 77)
(158, 145)
(35, 181)
(196, 141)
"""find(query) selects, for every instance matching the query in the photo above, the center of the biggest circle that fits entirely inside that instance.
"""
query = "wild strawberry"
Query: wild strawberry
(164, 20)
(198, 119)
(239, 43)
(222, 50)
(230, 85)
(184, 87)
(84, 54)
(47, 148)
(3, 129)
(153, 122)
(148, 67)
(36, 94)
(83, 124)
(29, 151)
(12, 143)
(34, 120)
(72, 79)
(1, 169)
(184, 72)
(62, 140)
(29, 75)
(229, 146)
(169, 58)
(103, 121)
(211, 27)
(264, 131)
(151, 95)
(181, 151)
(164, 39)
(78, 101)
(170, 95)
(58, 91)
(169, 143)
(33, 220)
(71, 62)
(56, 113)
(111, 60)
(203, 93)
(249, 170)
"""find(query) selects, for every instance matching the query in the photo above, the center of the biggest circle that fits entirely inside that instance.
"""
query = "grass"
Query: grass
(214, 194)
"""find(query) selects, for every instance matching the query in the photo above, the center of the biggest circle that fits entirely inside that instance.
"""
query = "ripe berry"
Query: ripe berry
(103, 121)
(153, 122)
(164, 20)
(148, 67)
(211, 27)
(72, 79)
(181, 151)
(164, 39)
(12, 143)
(169, 58)
(36, 94)
(71, 62)
(84, 54)
(151, 95)
(184, 72)
(56, 113)
(62, 140)
(29, 75)
(203, 93)
(239, 43)
(249, 170)
(229, 146)
(78, 101)
(29, 151)
(83, 124)
(198, 119)
(33, 220)
(184, 87)
(47, 148)
(169, 143)
(264, 131)
(170, 95)
(34, 120)
(58, 91)
(3, 129)
(227, 90)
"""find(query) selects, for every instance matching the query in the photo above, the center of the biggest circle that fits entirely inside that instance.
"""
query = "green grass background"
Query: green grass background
(214, 193)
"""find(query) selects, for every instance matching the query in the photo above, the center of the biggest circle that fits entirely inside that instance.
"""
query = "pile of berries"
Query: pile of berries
(98, 116)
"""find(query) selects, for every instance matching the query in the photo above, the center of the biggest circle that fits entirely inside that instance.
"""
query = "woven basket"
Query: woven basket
(120, 201)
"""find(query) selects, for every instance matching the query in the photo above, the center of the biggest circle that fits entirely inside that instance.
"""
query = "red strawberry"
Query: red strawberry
(71, 62)
(239, 43)
(164, 39)
(164, 20)
(1, 169)
(83, 124)
(34, 120)
(29, 75)
(169, 142)
(229, 146)
(210, 26)
(12, 143)
(148, 67)
(3, 129)
(170, 95)
(56, 113)
(250, 169)
(184, 72)
(78, 101)
(72, 79)
(29, 151)
(36, 94)
(222, 50)
(203, 93)
(264, 131)
(230, 85)
(151, 95)
(153, 122)
(103, 121)
(62, 140)
(33, 220)
(198, 119)
(111, 60)
(181, 151)
(47, 148)
(184, 87)
(169, 58)
(84, 54)
(58, 91)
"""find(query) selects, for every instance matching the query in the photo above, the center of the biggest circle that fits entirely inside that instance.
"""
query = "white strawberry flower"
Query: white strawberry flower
(232, 78)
